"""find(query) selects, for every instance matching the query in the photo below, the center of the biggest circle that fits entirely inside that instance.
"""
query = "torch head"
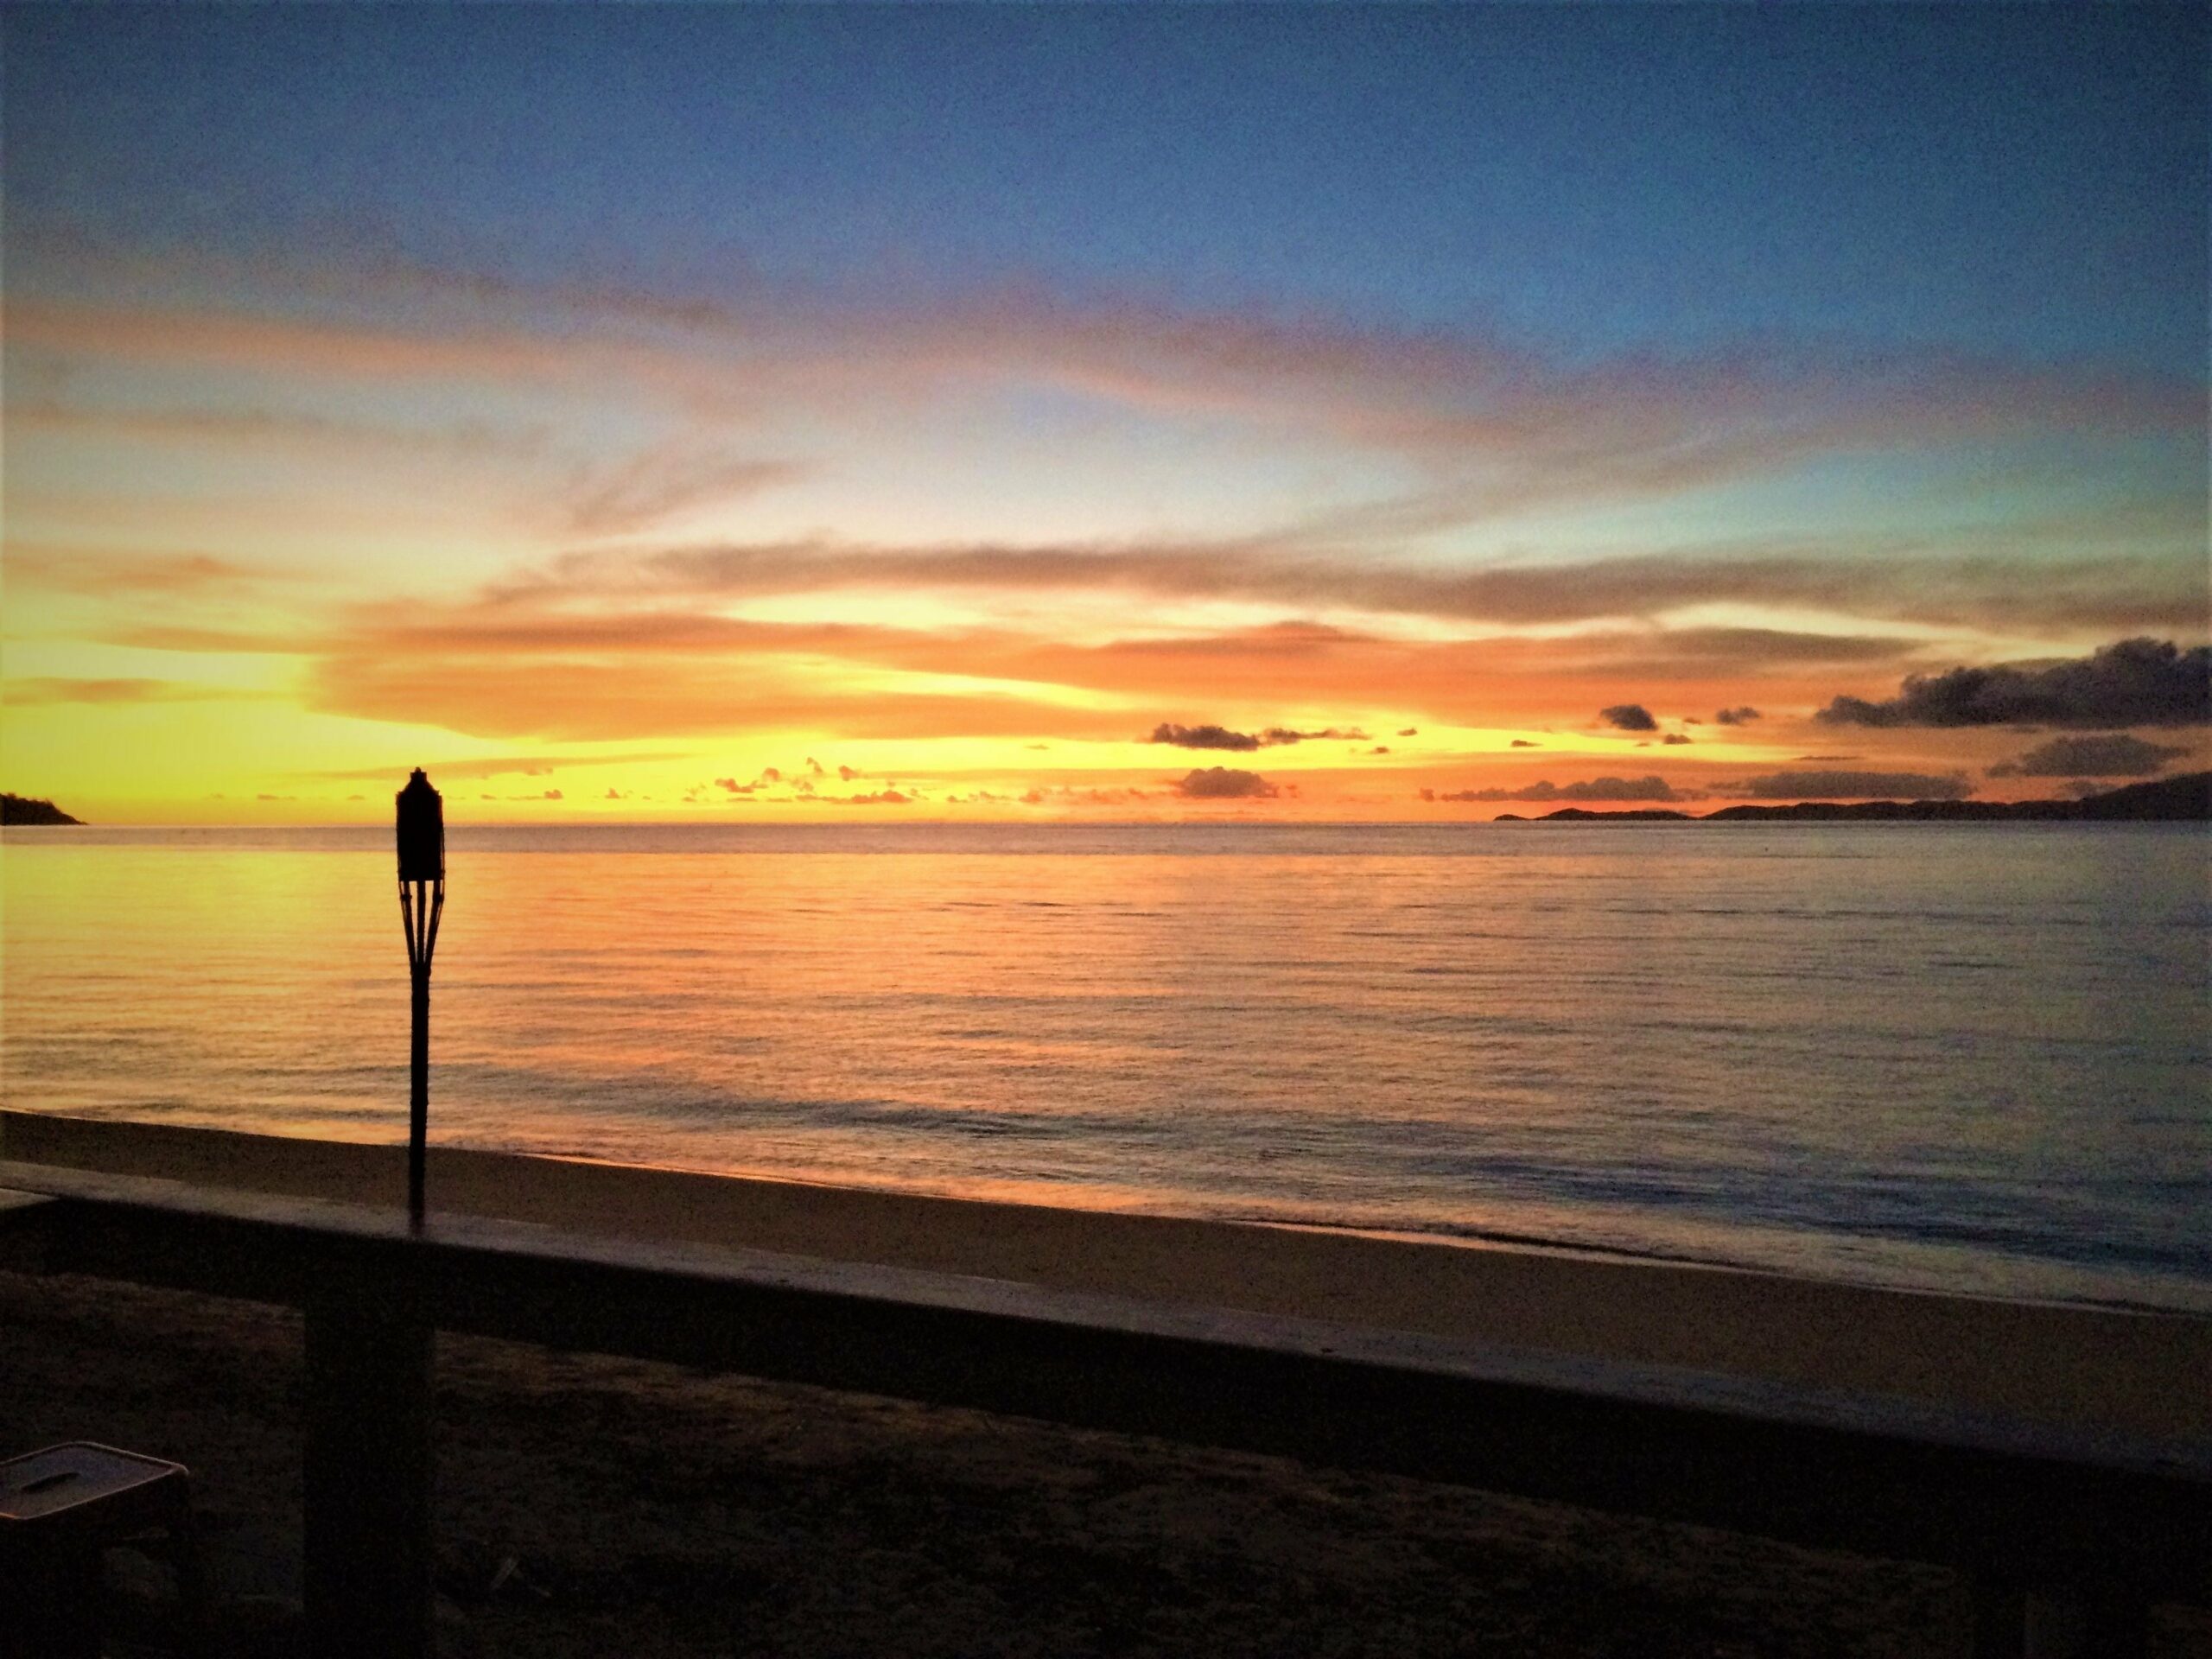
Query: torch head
(421, 831)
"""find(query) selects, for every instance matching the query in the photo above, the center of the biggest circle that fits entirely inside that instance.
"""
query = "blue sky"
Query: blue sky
(2016, 180)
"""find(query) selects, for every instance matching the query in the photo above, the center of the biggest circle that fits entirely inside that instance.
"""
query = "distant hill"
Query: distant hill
(2187, 798)
(1644, 814)
(17, 809)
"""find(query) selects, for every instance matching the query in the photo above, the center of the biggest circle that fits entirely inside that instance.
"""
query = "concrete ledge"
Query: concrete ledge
(2003, 1499)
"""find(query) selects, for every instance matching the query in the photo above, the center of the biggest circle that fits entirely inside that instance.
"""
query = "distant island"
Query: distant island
(2187, 798)
(17, 808)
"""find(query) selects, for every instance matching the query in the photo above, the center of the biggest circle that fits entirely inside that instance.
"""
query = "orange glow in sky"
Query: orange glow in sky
(850, 513)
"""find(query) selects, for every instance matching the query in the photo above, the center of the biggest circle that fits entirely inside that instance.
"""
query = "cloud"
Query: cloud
(880, 797)
(1293, 566)
(1203, 737)
(48, 689)
(1074, 795)
(606, 647)
(521, 669)
(1674, 737)
(553, 795)
(1220, 737)
(2138, 682)
(846, 774)
(626, 645)
(1523, 743)
(164, 575)
(1224, 784)
(614, 794)
(2112, 755)
(529, 765)
(257, 431)
(1854, 786)
(1653, 788)
(1409, 731)
(296, 345)
(1630, 717)
(642, 489)
(1743, 716)
(1484, 427)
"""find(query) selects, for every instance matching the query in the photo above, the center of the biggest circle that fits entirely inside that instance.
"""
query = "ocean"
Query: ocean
(1963, 1057)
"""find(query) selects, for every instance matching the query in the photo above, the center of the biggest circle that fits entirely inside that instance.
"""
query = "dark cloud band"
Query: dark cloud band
(2106, 755)
(1854, 786)
(2134, 682)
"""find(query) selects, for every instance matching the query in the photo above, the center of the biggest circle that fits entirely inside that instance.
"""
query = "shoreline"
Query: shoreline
(375, 833)
(2093, 1368)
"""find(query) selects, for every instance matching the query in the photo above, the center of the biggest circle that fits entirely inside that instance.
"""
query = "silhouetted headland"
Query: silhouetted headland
(2185, 799)
(19, 808)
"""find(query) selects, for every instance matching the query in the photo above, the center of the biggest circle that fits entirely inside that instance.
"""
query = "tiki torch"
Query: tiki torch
(421, 831)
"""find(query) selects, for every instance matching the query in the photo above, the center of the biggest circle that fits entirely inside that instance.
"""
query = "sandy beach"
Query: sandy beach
(2083, 1367)
(650, 1508)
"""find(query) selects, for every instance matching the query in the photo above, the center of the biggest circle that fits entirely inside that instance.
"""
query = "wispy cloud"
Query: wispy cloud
(1471, 430)
(641, 490)
(1285, 570)
(46, 690)
(112, 574)
(597, 664)
(261, 432)
(527, 765)
(406, 349)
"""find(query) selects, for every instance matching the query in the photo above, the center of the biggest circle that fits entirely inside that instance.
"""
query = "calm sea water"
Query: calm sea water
(1962, 1057)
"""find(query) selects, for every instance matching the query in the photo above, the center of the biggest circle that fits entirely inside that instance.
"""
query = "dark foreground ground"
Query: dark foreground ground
(591, 1505)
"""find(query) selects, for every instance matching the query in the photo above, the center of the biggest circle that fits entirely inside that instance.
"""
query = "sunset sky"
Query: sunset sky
(754, 413)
